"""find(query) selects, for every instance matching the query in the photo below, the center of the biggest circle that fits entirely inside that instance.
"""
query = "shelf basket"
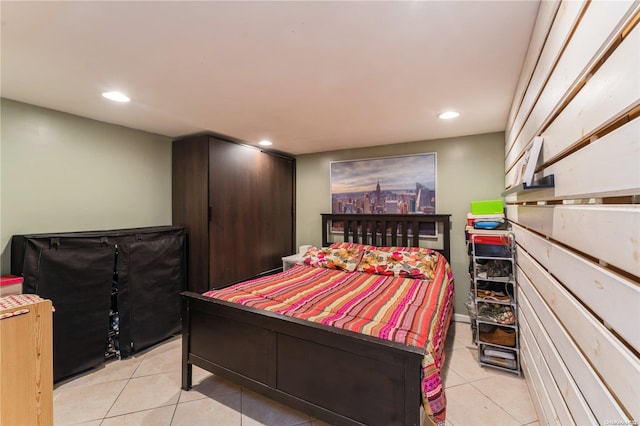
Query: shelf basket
(498, 336)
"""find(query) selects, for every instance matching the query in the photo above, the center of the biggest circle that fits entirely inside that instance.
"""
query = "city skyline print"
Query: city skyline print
(387, 185)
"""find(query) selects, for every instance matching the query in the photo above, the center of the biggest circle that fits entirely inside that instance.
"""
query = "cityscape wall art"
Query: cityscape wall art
(387, 185)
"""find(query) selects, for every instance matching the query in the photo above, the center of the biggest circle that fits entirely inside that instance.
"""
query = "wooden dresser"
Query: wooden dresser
(26, 361)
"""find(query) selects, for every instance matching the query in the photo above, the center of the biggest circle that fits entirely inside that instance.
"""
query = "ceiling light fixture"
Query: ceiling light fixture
(265, 142)
(116, 96)
(448, 115)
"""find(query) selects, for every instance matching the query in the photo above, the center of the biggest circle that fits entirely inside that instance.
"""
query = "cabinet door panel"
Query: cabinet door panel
(152, 277)
(234, 231)
(190, 194)
(276, 238)
(76, 275)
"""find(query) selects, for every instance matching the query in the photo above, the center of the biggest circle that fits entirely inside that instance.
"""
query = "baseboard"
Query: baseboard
(461, 318)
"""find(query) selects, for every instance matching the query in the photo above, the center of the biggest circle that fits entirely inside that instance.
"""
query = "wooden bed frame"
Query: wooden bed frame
(341, 377)
(368, 229)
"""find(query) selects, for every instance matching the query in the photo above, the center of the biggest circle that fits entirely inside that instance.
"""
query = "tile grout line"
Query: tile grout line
(471, 382)
(495, 402)
(173, 415)
(114, 401)
(122, 390)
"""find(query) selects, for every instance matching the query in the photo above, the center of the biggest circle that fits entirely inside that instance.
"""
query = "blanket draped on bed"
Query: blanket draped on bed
(405, 310)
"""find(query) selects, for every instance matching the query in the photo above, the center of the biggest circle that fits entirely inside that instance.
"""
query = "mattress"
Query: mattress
(411, 311)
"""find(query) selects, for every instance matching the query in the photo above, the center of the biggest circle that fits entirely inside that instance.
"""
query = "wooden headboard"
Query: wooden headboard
(387, 229)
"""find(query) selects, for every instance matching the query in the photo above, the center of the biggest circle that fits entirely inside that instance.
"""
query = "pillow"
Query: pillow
(407, 249)
(348, 245)
(345, 259)
(378, 262)
(419, 264)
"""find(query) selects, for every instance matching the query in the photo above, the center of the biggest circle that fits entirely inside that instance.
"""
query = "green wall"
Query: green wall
(60, 172)
(468, 168)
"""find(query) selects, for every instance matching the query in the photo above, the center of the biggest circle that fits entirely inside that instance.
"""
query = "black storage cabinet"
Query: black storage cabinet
(143, 270)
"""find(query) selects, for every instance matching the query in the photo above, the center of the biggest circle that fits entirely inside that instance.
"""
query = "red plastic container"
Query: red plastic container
(500, 240)
(10, 284)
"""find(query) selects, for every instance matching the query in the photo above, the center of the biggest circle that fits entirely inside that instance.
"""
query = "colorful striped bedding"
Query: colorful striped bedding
(405, 310)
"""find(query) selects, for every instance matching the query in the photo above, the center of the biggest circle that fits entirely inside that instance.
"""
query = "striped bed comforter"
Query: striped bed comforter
(405, 310)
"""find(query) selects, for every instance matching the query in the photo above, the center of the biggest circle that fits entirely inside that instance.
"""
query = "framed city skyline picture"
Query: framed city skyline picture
(387, 185)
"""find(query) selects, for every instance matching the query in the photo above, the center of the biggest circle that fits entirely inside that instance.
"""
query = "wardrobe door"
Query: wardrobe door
(151, 276)
(190, 195)
(76, 274)
(234, 230)
(277, 210)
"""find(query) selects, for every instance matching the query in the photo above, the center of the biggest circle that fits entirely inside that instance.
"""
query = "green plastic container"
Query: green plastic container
(487, 207)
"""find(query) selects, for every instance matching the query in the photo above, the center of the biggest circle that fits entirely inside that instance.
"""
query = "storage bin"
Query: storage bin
(10, 284)
(497, 335)
(487, 207)
(492, 250)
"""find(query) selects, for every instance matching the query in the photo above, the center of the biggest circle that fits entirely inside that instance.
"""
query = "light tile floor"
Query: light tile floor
(145, 390)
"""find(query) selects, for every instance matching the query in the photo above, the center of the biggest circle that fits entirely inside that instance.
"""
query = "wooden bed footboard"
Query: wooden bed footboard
(341, 377)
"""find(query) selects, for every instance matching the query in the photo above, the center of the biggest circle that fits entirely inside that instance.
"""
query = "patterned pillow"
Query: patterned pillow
(348, 245)
(345, 259)
(419, 264)
(378, 262)
(407, 249)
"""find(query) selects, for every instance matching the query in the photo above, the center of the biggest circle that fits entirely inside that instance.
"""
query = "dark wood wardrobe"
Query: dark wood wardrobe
(236, 203)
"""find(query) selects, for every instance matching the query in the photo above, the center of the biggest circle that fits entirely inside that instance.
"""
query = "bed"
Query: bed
(318, 338)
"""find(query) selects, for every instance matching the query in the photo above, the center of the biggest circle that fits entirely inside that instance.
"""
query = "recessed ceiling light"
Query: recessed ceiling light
(265, 142)
(448, 115)
(116, 96)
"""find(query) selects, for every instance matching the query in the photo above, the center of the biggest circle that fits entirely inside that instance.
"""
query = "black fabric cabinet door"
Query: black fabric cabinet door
(76, 274)
(151, 273)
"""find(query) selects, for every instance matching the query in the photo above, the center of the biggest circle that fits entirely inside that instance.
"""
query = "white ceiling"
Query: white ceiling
(310, 76)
